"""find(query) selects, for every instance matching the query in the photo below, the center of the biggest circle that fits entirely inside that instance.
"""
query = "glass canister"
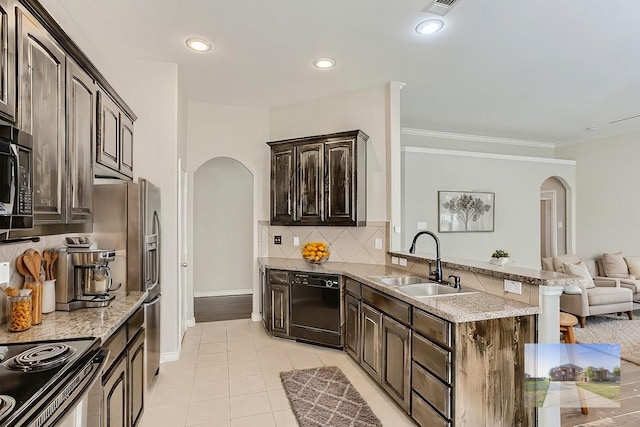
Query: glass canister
(36, 299)
(19, 311)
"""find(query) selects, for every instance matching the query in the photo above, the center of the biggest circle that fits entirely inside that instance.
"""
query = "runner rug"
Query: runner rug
(325, 397)
(610, 328)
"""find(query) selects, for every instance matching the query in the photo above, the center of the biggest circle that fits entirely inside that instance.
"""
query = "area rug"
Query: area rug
(325, 397)
(611, 328)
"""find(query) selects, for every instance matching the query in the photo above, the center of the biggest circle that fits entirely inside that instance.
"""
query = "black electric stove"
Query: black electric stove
(40, 381)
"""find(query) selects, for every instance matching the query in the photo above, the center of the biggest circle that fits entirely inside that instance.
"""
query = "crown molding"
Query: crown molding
(488, 155)
(478, 138)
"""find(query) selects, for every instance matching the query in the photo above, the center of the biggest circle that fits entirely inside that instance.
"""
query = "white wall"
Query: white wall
(223, 217)
(239, 133)
(515, 180)
(363, 109)
(608, 206)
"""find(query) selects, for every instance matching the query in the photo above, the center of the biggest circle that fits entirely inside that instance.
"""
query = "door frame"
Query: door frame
(182, 249)
(552, 219)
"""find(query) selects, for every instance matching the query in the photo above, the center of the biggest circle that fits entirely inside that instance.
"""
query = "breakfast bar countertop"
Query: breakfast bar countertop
(467, 307)
(83, 323)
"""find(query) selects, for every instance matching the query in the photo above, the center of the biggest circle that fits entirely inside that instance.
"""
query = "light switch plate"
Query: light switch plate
(395, 260)
(296, 241)
(422, 225)
(378, 243)
(397, 229)
(5, 275)
(403, 262)
(560, 224)
(513, 287)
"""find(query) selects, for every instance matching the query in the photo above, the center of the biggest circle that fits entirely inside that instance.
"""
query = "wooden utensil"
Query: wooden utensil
(37, 260)
(31, 266)
(20, 266)
(47, 260)
(54, 258)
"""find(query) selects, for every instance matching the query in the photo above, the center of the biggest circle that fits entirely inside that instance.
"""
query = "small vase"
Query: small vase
(499, 261)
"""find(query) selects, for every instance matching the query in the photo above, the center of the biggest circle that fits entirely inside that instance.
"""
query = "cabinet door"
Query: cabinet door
(126, 146)
(42, 114)
(81, 131)
(280, 309)
(115, 396)
(310, 184)
(7, 61)
(137, 383)
(339, 164)
(352, 326)
(396, 361)
(282, 177)
(371, 324)
(108, 143)
(266, 300)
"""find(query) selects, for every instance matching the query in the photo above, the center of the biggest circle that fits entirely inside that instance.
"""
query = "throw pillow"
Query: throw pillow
(633, 262)
(559, 260)
(614, 265)
(580, 270)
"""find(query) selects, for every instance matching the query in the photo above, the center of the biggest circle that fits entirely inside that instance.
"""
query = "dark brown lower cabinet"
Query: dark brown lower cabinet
(396, 361)
(114, 404)
(137, 383)
(280, 309)
(352, 326)
(371, 326)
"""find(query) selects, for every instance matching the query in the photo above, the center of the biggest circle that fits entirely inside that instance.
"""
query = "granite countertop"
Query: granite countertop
(83, 323)
(454, 308)
(508, 272)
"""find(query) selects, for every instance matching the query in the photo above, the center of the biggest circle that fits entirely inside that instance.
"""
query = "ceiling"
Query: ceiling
(535, 70)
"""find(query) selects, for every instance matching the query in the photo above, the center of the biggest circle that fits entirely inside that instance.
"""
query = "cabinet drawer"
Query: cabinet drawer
(424, 414)
(279, 277)
(135, 323)
(432, 357)
(401, 311)
(432, 389)
(116, 345)
(353, 287)
(436, 329)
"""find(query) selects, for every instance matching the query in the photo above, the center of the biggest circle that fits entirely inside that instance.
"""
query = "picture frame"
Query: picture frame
(466, 212)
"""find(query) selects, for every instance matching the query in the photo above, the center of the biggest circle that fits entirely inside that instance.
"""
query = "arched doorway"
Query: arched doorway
(222, 240)
(553, 218)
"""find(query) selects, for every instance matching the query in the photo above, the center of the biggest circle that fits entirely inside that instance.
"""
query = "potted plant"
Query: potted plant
(499, 257)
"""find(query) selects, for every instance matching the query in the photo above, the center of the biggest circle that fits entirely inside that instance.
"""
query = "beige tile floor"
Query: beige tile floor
(228, 375)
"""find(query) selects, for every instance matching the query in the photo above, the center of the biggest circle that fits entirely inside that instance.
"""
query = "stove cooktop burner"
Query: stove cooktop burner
(6, 405)
(41, 358)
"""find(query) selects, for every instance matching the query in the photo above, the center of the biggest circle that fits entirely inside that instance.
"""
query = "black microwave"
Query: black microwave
(16, 178)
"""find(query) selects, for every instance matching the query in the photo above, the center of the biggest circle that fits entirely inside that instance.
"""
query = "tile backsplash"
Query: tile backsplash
(347, 244)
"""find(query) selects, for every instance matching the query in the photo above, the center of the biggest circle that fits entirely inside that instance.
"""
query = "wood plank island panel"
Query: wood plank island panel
(489, 367)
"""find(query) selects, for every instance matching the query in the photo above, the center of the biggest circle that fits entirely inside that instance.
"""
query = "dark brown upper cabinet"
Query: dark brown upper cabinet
(41, 71)
(7, 61)
(319, 180)
(114, 148)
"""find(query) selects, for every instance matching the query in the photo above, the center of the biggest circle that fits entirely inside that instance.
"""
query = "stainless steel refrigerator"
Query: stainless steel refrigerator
(127, 219)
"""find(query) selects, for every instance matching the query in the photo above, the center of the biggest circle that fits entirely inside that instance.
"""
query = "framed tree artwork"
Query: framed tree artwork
(465, 211)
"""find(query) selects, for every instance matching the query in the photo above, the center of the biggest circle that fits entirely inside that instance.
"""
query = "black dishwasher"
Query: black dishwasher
(315, 308)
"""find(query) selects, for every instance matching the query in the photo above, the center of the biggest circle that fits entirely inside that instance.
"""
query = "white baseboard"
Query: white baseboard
(256, 317)
(191, 322)
(170, 356)
(223, 293)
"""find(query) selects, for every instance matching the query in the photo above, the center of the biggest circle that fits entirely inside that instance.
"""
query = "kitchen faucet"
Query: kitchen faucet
(437, 273)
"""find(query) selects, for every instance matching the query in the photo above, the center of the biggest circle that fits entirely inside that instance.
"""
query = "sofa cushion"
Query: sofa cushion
(632, 284)
(559, 260)
(579, 270)
(606, 295)
(614, 265)
(633, 263)
(547, 264)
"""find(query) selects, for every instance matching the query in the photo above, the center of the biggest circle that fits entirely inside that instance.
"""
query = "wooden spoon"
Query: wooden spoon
(20, 266)
(54, 258)
(37, 260)
(31, 266)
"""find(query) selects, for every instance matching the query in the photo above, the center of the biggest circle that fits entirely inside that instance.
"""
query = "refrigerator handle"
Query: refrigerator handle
(156, 221)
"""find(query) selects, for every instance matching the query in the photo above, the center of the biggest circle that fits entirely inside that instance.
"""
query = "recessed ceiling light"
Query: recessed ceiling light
(198, 44)
(592, 128)
(430, 26)
(324, 63)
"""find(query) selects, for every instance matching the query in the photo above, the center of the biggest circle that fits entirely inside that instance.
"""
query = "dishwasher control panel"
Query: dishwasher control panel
(314, 279)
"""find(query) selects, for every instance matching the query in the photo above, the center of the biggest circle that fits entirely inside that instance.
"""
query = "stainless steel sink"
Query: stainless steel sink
(402, 280)
(429, 290)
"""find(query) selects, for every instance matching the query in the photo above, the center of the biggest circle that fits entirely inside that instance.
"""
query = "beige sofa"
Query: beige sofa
(600, 295)
(621, 272)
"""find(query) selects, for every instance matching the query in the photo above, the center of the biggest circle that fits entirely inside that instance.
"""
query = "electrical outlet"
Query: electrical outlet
(277, 240)
(422, 225)
(403, 262)
(513, 287)
(296, 241)
(378, 243)
(560, 225)
(395, 260)
(5, 275)
(397, 229)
